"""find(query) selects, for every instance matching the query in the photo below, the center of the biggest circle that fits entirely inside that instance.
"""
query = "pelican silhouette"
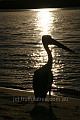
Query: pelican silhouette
(43, 77)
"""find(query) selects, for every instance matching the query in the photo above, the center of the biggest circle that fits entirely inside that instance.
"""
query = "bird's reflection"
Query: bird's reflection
(42, 113)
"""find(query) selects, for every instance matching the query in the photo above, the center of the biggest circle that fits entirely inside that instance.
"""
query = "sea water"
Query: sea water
(22, 51)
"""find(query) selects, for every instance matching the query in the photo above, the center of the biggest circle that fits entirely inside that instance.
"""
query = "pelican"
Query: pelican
(43, 77)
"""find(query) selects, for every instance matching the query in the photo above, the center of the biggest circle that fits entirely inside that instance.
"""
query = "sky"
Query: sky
(38, 3)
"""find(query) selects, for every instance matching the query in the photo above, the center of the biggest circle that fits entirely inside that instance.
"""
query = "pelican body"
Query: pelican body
(43, 77)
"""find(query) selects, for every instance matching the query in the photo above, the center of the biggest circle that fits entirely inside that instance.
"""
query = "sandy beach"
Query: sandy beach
(19, 105)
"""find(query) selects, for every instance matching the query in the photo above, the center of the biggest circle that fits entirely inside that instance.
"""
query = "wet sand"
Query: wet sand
(19, 105)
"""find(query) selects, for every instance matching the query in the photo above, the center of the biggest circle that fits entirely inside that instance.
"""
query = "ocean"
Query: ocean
(22, 51)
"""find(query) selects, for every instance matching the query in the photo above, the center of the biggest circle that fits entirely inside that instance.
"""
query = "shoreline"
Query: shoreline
(63, 108)
(72, 93)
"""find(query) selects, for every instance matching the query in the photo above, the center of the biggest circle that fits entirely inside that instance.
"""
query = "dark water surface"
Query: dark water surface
(22, 52)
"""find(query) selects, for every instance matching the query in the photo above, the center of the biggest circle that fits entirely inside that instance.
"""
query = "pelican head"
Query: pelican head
(47, 40)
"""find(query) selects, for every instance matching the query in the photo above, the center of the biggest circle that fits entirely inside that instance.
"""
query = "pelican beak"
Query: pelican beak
(54, 42)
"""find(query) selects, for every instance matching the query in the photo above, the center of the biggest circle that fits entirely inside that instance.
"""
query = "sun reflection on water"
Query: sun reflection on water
(44, 21)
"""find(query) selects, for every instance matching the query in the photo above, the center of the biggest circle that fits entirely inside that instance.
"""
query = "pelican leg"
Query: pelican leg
(49, 98)
(36, 104)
